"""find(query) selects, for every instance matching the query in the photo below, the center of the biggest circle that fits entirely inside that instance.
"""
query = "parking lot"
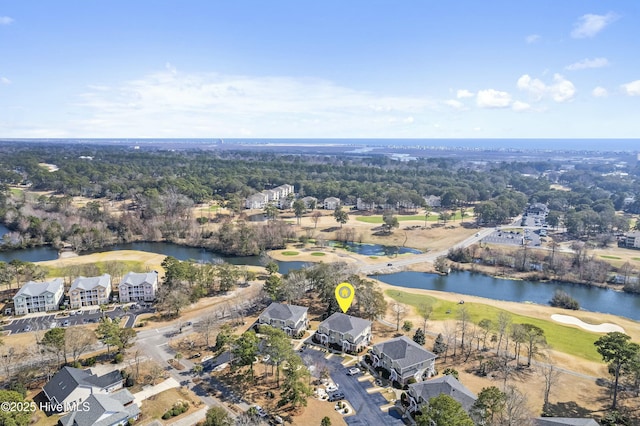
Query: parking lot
(35, 322)
(359, 392)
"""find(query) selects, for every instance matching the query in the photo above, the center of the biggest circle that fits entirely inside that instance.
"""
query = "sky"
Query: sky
(319, 69)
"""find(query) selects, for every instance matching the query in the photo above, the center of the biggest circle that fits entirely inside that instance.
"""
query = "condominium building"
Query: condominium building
(139, 287)
(39, 297)
(87, 291)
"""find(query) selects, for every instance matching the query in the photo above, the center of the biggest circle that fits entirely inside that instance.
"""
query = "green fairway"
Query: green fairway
(401, 218)
(604, 256)
(317, 253)
(290, 253)
(128, 266)
(562, 338)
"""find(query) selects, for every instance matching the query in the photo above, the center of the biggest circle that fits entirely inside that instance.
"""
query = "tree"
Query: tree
(295, 389)
(551, 376)
(407, 326)
(245, 350)
(443, 410)
(464, 318)
(54, 341)
(278, 347)
(439, 345)
(340, 216)
(272, 286)
(217, 416)
(20, 417)
(299, 209)
(486, 325)
(490, 406)
(271, 267)
(390, 221)
(419, 337)
(617, 350)
(271, 211)
(78, 341)
(425, 310)
(503, 323)
(534, 337)
(398, 311)
(326, 421)
(315, 217)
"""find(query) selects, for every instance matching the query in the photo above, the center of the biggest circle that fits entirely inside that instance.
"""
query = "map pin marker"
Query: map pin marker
(344, 295)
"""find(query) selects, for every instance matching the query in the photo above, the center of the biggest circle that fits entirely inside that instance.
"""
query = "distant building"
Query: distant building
(349, 332)
(364, 205)
(432, 201)
(138, 287)
(403, 359)
(39, 297)
(310, 202)
(631, 240)
(291, 319)
(331, 203)
(87, 291)
(537, 209)
(256, 201)
(278, 194)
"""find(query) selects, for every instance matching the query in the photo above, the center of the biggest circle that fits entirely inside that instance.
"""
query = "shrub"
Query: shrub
(166, 415)
(118, 358)
(90, 362)
(562, 299)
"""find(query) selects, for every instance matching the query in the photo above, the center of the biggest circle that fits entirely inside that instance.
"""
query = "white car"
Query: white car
(332, 388)
(260, 411)
(353, 371)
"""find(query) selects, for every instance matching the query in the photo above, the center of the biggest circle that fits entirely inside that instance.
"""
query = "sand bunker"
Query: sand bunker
(601, 328)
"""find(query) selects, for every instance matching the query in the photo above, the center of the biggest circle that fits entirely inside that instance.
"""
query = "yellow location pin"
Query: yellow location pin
(344, 295)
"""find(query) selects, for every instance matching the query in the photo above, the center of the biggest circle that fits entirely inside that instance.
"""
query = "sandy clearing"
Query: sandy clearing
(605, 327)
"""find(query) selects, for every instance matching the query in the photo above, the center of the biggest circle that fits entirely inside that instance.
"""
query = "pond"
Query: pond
(594, 299)
(373, 249)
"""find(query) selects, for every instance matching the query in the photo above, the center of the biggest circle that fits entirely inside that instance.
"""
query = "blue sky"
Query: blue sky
(323, 69)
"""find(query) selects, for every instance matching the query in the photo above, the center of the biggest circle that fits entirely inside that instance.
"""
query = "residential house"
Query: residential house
(70, 387)
(39, 297)
(87, 291)
(420, 393)
(432, 201)
(113, 409)
(137, 286)
(631, 240)
(403, 359)
(291, 319)
(350, 333)
(537, 209)
(563, 421)
(256, 201)
(331, 203)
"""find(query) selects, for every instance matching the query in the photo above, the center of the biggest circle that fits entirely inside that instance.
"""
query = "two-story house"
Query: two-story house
(350, 333)
(331, 203)
(113, 409)
(70, 387)
(291, 319)
(403, 359)
(138, 286)
(39, 297)
(87, 291)
(420, 393)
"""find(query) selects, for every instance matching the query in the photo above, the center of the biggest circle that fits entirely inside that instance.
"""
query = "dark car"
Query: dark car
(336, 396)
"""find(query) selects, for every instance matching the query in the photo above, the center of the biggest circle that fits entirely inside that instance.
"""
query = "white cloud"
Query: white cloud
(632, 89)
(492, 98)
(588, 63)
(5, 80)
(5, 20)
(600, 92)
(464, 93)
(589, 25)
(561, 90)
(519, 106)
(532, 38)
(455, 104)
(170, 102)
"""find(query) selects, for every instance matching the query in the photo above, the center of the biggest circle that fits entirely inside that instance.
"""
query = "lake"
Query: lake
(594, 299)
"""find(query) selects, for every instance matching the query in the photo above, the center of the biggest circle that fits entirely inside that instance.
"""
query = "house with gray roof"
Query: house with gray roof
(403, 359)
(350, 333)
(87, 291)
(563, 421)
(331, 203)
(136, 286)
(39, 297)
(420, 393)
(103, 410)
(291, 319)
(70, 387)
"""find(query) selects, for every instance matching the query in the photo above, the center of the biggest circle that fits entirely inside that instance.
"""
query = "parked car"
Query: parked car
(260, 411)
(65, 323)
(353, 371)
(336, 396)
(332, 388)
(27, 328)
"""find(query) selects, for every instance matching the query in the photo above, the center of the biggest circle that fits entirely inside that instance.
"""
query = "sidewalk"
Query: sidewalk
(153, 390)
(191, 419)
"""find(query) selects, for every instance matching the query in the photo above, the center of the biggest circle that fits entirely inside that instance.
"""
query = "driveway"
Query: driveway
(366, 405)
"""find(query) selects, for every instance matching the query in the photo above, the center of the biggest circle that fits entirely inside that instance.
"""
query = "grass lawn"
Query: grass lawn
(129, 265)
(610, 257)
(401, 218)
(636, 258)
(290, 253)
(16, 192)
(562, 338)
(317, 253)
(157, 405)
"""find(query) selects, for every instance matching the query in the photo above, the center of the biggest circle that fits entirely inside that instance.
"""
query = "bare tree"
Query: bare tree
(398, 312)
(516, 412)
(551, 376)
(503, 322)
(78, 341)
(464, 318)
(424, 310)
